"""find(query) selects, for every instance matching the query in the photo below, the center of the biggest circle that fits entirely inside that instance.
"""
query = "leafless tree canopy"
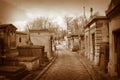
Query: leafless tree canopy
(42, 23)
(74, 24)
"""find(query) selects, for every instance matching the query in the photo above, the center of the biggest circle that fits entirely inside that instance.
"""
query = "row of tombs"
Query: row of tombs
(100, 40)
(16, 62)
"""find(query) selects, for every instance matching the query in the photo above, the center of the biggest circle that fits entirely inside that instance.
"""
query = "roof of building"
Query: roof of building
(30, 46)
(39, 30)
(74, 35)
(20, 32)
(114, 7)
(7, 25)
(95, 19)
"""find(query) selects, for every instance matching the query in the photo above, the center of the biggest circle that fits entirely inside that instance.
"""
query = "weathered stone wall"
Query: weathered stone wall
(87, 42)
(31, 56)
(44, 40)
(92, 32)
(104, 46)
(21, 39)
(82, 45)
(98, 39)
(114, 25)
(97, 34)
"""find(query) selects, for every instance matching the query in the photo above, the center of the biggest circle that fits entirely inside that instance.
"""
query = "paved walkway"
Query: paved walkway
(67, 67)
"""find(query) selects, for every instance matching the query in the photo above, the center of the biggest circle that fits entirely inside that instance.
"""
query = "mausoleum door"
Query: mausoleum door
(1, 46)
(117, 49)
(93, 45)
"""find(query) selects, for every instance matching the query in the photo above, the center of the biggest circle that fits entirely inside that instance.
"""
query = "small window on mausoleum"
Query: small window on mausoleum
(19, 39)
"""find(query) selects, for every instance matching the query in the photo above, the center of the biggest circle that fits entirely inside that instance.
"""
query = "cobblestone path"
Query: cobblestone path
(66, 67)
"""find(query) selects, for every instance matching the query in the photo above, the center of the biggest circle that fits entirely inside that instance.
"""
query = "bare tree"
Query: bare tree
(39, 23)
(74, 24)
(78, 24)
(42, 23)
(67, 21)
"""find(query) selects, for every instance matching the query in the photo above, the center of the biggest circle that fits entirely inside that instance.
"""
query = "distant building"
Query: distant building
(75, 42)
(69, 41)
(21, 38)
(113, 13)
(73, 32)
(42, 37)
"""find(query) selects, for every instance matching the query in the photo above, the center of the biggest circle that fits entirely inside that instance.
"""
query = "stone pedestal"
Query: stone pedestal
(31, 63)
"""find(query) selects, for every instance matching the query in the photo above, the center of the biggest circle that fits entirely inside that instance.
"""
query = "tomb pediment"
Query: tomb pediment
(8, 34)
(7, 26)
(112, 6)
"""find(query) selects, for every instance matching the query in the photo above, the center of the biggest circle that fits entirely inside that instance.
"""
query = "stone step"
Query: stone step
(13, 72)
(31, 63)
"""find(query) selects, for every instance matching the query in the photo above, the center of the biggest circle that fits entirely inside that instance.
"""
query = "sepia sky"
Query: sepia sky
(21, 11)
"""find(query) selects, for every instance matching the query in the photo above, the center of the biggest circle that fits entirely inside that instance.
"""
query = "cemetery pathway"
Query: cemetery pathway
(67, 66)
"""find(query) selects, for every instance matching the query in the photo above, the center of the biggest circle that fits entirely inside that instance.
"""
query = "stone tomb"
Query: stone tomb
(8, 48)
(8, 38)
(31, 56)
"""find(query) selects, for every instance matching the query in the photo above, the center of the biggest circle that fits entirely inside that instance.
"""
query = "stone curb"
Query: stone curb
(46, 68)
(101, 75)
(86, 67)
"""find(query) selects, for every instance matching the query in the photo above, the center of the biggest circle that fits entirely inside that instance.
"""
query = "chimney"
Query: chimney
(84, 13)
(91, 12)
(84, 16)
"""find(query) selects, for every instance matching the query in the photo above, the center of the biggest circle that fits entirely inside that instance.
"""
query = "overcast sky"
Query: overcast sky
(20, 11)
